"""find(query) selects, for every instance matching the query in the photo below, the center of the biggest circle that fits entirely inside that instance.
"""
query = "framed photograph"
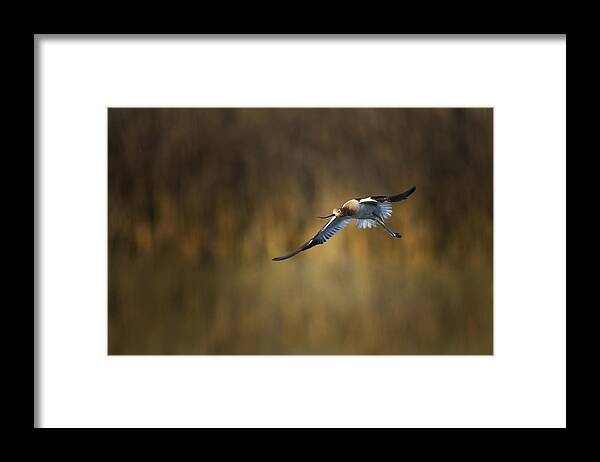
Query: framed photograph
(240, 231)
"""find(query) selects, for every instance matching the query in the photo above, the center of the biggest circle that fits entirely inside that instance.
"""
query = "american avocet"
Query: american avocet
(369, 212)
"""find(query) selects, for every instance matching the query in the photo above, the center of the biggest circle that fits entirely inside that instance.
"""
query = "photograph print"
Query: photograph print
(300, 231)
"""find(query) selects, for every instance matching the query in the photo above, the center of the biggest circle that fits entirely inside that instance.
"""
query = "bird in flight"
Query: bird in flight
(369, 212)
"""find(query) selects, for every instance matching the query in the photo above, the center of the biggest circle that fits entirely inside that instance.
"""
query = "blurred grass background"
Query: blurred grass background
(200, 200)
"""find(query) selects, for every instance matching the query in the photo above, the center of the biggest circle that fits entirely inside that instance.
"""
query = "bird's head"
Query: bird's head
(335, 213)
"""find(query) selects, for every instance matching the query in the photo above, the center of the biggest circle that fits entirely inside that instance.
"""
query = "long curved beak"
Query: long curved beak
(328, 216)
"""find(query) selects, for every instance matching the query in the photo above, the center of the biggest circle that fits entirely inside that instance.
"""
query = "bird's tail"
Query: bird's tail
(401, 196)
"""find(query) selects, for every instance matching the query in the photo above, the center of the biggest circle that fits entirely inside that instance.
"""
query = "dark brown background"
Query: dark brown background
(200, 200)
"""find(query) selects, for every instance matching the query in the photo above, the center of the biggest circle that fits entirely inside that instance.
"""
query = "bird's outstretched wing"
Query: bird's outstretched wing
(383, 207)
(325, 233)
(396, 198)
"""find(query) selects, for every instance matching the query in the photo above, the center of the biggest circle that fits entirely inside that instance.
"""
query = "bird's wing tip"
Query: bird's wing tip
(283, 257)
